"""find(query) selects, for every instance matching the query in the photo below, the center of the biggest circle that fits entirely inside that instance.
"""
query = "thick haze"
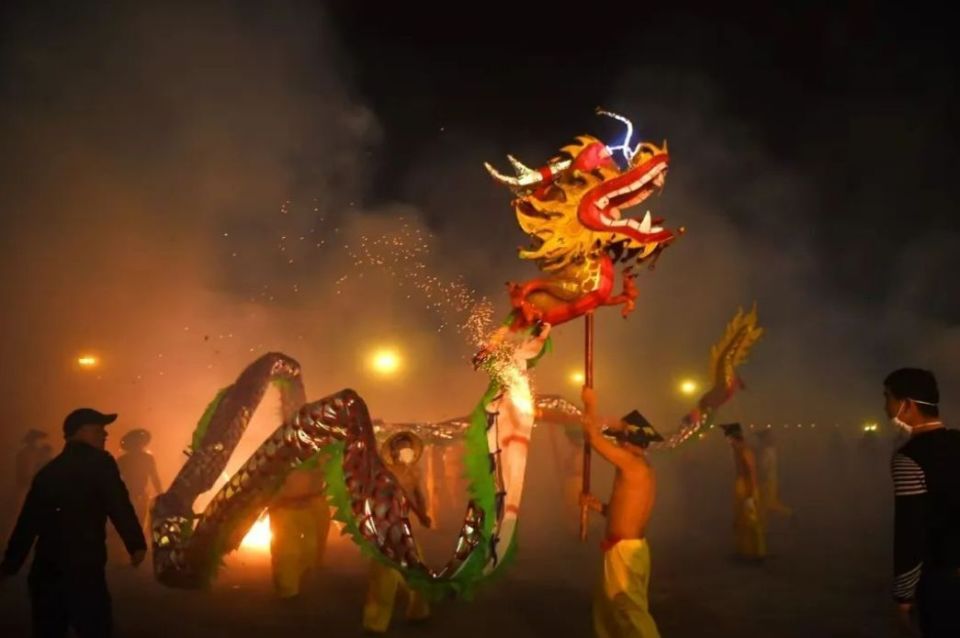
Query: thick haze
(161, 166)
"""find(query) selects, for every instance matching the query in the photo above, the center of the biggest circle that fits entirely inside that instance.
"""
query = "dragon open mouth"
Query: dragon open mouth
(624, 192)
(610, 206)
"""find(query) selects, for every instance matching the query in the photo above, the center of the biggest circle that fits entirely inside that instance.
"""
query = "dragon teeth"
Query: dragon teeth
(646, 223)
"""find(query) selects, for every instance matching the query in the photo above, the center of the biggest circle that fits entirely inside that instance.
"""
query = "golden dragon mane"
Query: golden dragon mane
(550, 216)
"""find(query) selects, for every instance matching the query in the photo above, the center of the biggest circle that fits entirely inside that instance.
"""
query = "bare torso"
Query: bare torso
(631, 501)
(634, 485)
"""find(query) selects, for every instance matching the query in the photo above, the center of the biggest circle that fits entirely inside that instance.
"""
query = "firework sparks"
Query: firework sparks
(403, 255)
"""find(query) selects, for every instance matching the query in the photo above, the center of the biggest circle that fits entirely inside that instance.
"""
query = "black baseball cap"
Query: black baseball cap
(85, 416)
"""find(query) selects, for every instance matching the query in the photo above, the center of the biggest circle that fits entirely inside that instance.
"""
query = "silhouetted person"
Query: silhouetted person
(66, 512)
(748, 529)
(30, 458)
(137, 468)
(768, 471)
(926, 479)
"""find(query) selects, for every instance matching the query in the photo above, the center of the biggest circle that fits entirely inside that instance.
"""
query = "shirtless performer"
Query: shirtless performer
(748, 527)
(620, 607)
(400, 453)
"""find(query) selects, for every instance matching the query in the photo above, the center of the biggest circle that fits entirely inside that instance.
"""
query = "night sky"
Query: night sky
(161, 165)
(859, 101)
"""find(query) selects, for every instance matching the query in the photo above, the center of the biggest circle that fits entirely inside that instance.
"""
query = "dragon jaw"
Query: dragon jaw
(601, 208)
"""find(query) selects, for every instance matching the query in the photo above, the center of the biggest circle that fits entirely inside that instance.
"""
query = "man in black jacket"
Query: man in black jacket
(66, 512)
(926, 479)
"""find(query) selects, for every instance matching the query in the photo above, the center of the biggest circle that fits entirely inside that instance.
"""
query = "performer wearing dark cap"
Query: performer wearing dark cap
(620, 606)
(926, 480)
(748, 528)
(66, 511)
(137, 468)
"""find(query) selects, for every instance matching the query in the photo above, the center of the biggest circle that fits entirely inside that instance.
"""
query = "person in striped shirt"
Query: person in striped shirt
(926, 479)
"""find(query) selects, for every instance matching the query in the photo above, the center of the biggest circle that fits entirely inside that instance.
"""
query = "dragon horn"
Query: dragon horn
(519, 166)
(506, 180)
(527, 177)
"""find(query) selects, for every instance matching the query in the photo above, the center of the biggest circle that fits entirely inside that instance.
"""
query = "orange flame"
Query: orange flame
(258, 538)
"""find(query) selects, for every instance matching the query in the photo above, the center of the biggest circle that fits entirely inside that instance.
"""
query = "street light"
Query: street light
(688, 387)
(385, 361)
(577, 378)
(88, 361)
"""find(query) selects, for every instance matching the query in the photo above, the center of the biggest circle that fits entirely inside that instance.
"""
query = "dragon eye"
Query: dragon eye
(555, 194)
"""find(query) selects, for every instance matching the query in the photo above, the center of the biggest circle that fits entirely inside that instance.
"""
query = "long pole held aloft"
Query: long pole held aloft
(588, 381)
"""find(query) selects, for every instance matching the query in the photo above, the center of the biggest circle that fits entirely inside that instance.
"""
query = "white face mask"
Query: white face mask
(898, 422)
(406, 456)
(902, 425)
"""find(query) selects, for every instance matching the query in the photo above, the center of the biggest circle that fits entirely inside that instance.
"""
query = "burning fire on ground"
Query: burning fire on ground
(258, 538)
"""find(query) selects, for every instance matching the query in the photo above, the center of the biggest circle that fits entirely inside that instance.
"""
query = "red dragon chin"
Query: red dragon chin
(601, 208)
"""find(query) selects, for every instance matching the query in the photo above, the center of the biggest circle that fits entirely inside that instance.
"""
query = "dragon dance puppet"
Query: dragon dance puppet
(574, 210)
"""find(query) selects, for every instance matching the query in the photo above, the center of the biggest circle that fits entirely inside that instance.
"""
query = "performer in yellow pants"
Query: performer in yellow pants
(299, 523)
(748, 527)
(381, 594)
(400, 453)
(769, 475)
(620, 607)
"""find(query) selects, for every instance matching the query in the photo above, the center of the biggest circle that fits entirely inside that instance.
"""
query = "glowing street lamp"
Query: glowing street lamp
(385, 362)
(577, 378)
(88, 361)
(688, 387)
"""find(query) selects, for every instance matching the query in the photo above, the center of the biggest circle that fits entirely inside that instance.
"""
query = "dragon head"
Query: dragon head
(576, 202)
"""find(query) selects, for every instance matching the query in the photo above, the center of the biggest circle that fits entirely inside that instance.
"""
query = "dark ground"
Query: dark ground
(828, 577)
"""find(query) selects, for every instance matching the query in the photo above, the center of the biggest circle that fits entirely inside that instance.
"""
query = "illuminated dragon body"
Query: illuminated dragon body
(572, 208)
